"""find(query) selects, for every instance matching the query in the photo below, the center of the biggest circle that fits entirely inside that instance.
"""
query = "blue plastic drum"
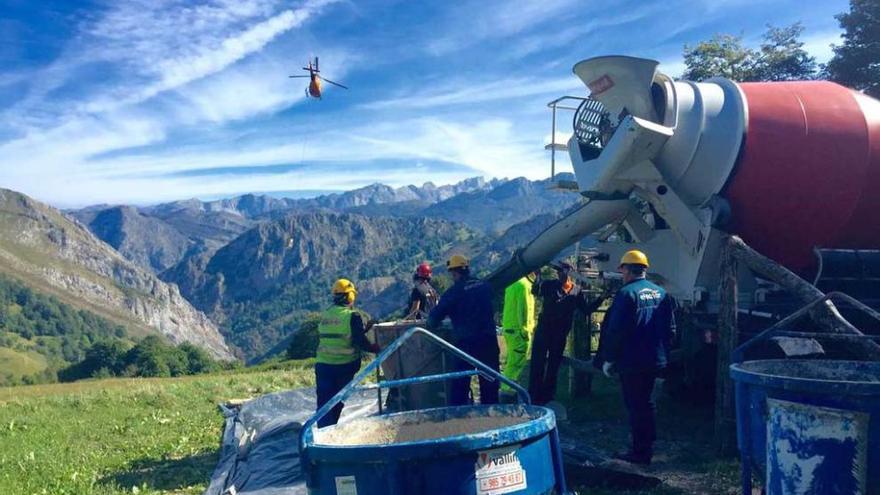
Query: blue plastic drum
(809, 426)
(473, 450)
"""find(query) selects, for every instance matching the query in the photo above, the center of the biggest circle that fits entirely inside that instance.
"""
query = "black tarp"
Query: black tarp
(259, 454)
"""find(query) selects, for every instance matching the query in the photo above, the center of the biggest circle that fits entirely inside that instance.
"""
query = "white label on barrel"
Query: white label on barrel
(345, 485)
(499, 471)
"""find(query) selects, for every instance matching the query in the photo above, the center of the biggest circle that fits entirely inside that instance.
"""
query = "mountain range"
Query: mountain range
(262, 285)
(239, 275)
(160, 236)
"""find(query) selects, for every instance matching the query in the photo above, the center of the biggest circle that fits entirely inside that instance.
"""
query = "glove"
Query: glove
(608, 369)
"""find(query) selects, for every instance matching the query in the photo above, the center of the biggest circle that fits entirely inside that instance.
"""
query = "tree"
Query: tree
(781, 57)
(723, 55)
(103, 355)
(149, 357)
(856, 63)
(198, 360)
(304, 341)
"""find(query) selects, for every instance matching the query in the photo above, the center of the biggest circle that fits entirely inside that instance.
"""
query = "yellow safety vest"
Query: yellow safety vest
(334, 337)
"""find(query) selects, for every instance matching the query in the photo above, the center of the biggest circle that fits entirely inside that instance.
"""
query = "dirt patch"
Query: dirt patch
(383, 432)
(685, 460)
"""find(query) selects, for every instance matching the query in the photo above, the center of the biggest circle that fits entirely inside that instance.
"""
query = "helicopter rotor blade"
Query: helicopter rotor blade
(333, 83)
(299, 76)
(316, 63)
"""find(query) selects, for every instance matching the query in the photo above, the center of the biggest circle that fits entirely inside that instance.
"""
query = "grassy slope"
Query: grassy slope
(109, 436)
(21, 362)
(161, 435)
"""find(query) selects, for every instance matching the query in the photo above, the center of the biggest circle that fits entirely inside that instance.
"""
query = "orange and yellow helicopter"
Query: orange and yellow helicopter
(314, 89)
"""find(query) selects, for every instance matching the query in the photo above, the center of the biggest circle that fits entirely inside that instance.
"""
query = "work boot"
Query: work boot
(634, 458)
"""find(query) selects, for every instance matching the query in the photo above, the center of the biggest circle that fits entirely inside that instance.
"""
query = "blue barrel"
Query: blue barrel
(809, 426)
(521, 458)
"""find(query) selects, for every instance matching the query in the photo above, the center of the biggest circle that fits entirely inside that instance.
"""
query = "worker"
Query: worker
(341, 339)
(636, 336)
(560, 298)
(423, 296)
(518, 323)
(468, 304)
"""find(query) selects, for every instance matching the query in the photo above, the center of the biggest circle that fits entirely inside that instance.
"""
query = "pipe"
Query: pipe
(585, 220)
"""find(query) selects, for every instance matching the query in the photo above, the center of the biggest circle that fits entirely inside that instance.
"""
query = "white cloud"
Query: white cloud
(673, 66)
(212, 47)
(139, 190)
(466, 92)
(819, 44)
(489, 147)
(256, 88)
(579, 31)
(480, 20)
(183, 66)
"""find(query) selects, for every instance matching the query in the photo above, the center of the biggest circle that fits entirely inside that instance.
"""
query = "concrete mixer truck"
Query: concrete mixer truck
(671, 167)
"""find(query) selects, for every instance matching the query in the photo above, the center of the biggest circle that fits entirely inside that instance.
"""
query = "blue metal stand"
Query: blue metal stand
(307, 433)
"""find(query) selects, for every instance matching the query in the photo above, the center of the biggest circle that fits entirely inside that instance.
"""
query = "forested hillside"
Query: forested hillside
(35, 323)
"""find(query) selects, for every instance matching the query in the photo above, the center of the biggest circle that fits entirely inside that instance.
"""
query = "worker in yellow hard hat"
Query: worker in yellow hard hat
(468, 304)
(636, 336)
(341, 339)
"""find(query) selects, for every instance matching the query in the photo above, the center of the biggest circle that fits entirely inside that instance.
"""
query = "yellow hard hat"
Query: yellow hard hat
(634, 257)
(344, 286)
(457, 261)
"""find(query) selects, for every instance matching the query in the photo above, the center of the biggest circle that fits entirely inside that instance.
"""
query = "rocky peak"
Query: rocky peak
(43, 248)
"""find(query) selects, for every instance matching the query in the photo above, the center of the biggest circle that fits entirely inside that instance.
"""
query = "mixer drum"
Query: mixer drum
(808, 173)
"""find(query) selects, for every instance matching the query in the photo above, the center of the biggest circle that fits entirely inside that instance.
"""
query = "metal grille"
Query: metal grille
(591, 122)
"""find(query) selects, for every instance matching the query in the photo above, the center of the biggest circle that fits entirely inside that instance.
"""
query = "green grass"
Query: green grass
(161, 436)
(21, 363)
(124, 435)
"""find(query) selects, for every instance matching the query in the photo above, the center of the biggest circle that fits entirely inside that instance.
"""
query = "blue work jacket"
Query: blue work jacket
(638, 328)
(468, 304)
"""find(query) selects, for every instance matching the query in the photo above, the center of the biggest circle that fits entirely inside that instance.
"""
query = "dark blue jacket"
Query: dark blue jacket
(638, 329)
(468, 303)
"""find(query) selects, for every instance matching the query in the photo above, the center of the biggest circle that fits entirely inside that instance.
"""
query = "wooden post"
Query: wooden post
(725, 413)
(579, 381)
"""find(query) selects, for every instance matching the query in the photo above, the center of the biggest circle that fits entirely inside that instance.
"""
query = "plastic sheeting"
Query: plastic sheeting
(259, 453)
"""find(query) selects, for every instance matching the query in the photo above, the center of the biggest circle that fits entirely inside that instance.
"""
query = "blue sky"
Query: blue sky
(152, 100)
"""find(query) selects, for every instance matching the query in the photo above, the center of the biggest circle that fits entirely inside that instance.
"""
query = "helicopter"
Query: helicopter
(314, 89)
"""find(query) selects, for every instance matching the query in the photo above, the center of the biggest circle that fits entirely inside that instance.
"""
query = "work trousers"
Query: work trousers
(516, 341)
(329, 380)
(484, 349)
(547, 349)
(637, 388)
